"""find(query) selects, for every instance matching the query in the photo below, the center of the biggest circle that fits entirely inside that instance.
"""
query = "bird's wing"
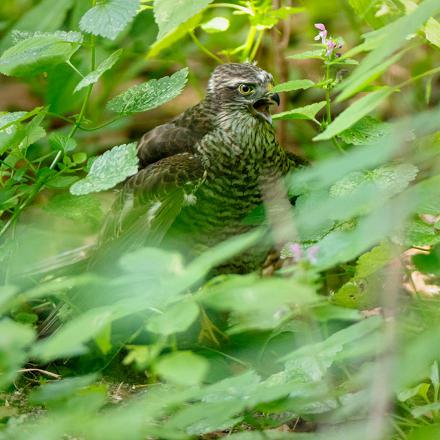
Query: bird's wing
(175, 137)
(149, 203)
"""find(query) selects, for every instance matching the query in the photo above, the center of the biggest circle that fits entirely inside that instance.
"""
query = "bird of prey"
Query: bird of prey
(202, 173)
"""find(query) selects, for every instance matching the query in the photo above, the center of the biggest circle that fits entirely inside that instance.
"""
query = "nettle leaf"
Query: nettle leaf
(169, 14)
(46, 16)
(113, 167)
(59, 141)
(307, 112)
(267, 18)
(215, 25)
(354, 113)
(149, 95)
(94, 76)
(389, 179)
(366, 131)
(298, 84)
(182, 368)
(110, 18)
(374, 260)
(37, 54)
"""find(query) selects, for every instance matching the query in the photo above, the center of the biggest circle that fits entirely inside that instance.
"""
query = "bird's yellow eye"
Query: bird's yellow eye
(245, 90)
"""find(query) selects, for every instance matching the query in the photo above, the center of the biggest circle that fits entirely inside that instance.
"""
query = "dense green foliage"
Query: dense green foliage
(341, 342)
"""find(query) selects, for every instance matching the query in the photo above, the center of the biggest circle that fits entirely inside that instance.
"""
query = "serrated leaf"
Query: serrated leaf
(307, 55)
(299, 84)
(94, 76)
(182, 368)
(366, 131)
(354, 113)
(7, 118)
(110, 18)
(215, 25)
(113, 167)
(35, 55)
(374, 260)
(59, 141)
(306, 112)
(170, 14)
(391, 179)
(149, 95)
(80, 209)
(46, 16)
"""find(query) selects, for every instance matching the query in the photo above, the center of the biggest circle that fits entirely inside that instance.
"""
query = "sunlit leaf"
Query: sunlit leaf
(149, 95)
(366, 131)
(306, 112)
(108, 19)
(94, 76)
(169, 14)
(215, 25)
(354, 113)
(299, 84)
(109, 169)
(36, 54)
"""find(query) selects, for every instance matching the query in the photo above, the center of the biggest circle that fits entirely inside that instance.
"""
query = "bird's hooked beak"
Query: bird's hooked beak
(261, 107)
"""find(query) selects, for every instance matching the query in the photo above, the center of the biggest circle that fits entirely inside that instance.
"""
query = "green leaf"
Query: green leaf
(169, 14)
(80, 209)
(94, 76)
(215, 25)
(46, 16)
(15, 341)
(432, 32)
(113, 167)
(307, 112)
(109, 19)
(299, 84)
(174, 36)
(366, 131)
(309, 54)
(374, 260)
(61, 142)
(177, 318)
(58, 182)
(354, 113)
(182, 368)
(36, 54)
(149, 95)
(389, 39)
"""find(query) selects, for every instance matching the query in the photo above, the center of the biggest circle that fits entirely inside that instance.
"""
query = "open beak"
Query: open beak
(262, 107)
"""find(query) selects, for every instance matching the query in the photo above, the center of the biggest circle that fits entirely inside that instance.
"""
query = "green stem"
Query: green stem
(249, 42)
(204, 48)
(417, 77)
(39, 184)
(229, 5)
(74, 69)
(257, 45)
(327, 95)
(98, 127)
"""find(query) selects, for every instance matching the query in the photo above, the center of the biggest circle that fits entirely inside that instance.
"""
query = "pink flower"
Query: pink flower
(322, 32)
(312, 253)
(331, 46)
(296, 251)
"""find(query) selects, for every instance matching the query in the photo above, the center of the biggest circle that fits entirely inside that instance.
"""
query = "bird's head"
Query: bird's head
(243, 87)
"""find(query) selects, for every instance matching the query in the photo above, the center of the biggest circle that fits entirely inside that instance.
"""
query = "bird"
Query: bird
(202, 173)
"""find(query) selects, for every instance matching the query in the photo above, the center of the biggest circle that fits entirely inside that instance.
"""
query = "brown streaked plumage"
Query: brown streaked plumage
(201, 174)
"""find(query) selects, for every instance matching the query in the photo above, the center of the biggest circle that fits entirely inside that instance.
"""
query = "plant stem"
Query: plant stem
(229, 5)
(327, 95)
(417, 77)
(204, 48)
(40, 183)
(256, 45)
(249, 43)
